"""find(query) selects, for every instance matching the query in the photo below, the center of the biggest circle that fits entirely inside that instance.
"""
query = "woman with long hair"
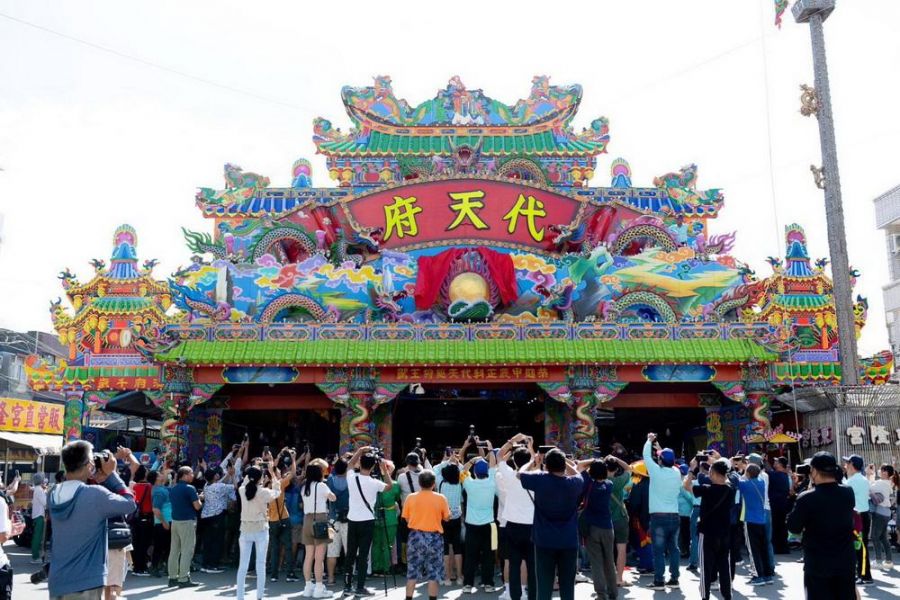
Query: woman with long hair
(447, 477)
(315, 495)
(255, 525)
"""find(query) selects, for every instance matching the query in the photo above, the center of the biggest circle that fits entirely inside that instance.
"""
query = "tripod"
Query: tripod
(387, 549)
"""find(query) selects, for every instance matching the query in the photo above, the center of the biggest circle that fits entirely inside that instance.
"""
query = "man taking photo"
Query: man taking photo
(80, 512)
(824, 516)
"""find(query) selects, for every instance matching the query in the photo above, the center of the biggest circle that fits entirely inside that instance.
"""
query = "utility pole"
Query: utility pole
(815, 12)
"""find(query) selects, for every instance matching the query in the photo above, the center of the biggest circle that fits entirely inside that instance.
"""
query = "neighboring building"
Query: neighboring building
(887, 218)
(15, 347)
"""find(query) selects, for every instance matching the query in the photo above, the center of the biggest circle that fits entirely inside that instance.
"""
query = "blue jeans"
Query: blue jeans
(664, 539)
(695, 536)
(770, 549)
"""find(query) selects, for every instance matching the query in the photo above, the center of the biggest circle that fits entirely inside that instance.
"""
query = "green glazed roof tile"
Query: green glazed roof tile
(385, 143)
(528, 352)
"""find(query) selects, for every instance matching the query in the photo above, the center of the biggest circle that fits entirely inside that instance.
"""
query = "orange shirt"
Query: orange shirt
(425, 511)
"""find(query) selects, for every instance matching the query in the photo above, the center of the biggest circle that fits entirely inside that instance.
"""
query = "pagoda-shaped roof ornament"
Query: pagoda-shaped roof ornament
(112, 311)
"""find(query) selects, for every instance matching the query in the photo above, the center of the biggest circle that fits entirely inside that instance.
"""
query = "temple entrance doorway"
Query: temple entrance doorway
(441, 415)
(278, 416)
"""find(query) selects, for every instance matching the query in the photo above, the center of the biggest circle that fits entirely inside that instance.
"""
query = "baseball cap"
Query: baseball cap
(667, 456)
(683, 468)
(825, 462)
(755, 458)
(481, 468)
(856, 460)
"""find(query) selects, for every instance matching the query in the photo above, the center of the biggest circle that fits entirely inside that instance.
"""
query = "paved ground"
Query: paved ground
(789, 586)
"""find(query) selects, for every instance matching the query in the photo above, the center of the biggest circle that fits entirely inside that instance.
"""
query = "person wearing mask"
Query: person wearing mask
(363, 492)
(38, 516)
(883, 491)
(279, 517)
(219, 491)
(753, 494)
(762, 463)
(480, 488)
(557, 493)
(425, 512)
(447, 480)
(255, 501)
(518, 512)
(857, 481)
(665, 483)
(824, 515)
(780, 501)
(620, 474)
(714, 528)
(185, 505)
(600, 538)
(387, 520)
(316, 497)
(337, 513)
(78, 565)
(162, 519)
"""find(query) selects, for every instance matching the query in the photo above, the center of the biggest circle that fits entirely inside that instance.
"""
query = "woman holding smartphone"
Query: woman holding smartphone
(255, 501)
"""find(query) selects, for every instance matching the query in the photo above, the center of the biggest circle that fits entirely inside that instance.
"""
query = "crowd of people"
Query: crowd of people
(517, 519)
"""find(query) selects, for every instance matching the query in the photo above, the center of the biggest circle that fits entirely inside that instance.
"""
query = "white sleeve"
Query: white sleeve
(4, 518)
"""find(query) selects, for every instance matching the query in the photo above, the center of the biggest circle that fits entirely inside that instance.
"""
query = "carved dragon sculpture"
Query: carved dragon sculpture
(294, 299)
(365, 238)
(279, 233)
(203, 242)
(195, 302)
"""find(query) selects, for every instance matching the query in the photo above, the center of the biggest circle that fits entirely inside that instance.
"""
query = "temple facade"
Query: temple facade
(462, 259)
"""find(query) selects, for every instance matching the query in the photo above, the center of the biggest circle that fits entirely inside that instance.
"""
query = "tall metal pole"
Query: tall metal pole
(815, 12)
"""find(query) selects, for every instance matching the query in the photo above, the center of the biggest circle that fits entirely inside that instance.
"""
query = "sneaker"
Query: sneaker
(645, 571)
(887, 565)
(693, 568)
(490, 589)
(140, 573)
(714, 586)
(363, 592)
(291, 578)
(446, 583)
(769, 580)
(757, 581)
(154, 572)
(504, 596)
(308, 590)
(581, 578)
(273, 579)
(657, 585)
(172, 583)
(187, 584)
(470, 590)
(321, 592)
(251, 574)
(214, 571)
(36, 561)
(861, 581)
(672, 582)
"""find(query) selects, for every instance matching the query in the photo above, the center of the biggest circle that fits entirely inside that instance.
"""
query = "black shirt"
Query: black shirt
(715, 510)
(824, 515)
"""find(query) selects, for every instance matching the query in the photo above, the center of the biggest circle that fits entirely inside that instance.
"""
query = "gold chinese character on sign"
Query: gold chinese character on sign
(529, 374)
(534, 208)
(400, 217)
(465, 205)
(402, 373)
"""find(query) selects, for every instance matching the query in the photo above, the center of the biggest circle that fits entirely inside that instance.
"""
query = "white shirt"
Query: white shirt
(370, 488)
(38, 502)
(255, 512)
(317, 501)
(883, 487)
(403, 482)
(765, 479)
(518, 507)
(5, 527)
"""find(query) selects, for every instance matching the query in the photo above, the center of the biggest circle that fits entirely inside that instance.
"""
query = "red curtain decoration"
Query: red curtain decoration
(433, 270)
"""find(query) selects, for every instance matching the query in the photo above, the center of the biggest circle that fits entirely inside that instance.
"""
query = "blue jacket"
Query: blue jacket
(79, 513)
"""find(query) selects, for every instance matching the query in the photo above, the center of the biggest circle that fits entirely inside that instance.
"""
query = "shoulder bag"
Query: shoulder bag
(321, 531)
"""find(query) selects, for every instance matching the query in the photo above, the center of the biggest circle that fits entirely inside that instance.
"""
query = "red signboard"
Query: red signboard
(464, 209)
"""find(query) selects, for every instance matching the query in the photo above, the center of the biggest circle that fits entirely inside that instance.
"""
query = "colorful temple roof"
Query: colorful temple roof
(481, 352)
